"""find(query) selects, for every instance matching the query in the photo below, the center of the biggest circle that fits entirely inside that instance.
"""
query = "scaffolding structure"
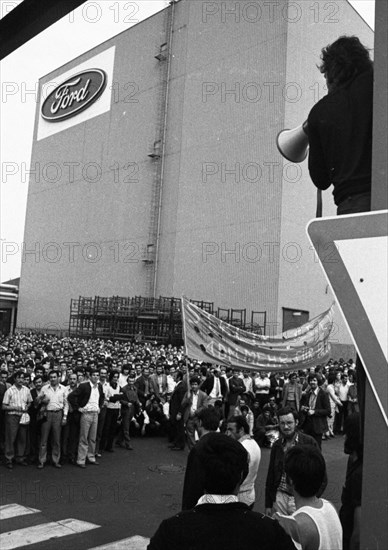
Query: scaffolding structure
(146, 319)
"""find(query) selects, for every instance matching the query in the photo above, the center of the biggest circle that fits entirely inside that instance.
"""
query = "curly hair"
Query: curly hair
(343, 60)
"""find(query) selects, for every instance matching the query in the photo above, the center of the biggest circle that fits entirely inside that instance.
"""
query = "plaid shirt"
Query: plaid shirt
(283, 485)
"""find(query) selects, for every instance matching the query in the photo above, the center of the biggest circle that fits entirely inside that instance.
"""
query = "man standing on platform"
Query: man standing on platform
(340, 126)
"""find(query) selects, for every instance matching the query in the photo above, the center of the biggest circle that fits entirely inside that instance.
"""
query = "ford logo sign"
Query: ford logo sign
(74, 95)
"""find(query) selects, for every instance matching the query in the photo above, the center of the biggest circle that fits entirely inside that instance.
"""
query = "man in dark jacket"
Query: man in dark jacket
(193, 486)
(130, 406)
(219, 520)
(143, 386)
(236, 389)
(340, 126)
(315, 409)
(215, 386)
(177, 425)
(278, 494)
(88, 399)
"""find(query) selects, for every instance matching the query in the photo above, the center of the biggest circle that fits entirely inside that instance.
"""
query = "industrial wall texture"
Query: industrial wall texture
(214, 213)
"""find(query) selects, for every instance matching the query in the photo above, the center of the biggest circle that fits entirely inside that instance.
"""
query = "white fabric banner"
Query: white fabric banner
(211, 340)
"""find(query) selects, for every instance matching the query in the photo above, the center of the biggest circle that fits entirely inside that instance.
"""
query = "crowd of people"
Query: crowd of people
(80, 398)
(69, 400)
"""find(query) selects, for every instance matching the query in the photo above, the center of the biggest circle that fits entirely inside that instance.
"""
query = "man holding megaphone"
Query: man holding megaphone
(340, 126)
(338, 131)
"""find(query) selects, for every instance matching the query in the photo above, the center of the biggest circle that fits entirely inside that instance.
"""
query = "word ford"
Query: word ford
(66, 98)
(73, 95)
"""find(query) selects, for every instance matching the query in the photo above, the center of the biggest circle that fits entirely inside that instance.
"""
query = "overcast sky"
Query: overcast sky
(83, 29)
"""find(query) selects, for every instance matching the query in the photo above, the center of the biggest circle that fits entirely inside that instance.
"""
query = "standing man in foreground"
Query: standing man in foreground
(238, 429)
(88, 399)
(17, 399)
(278, 493)
(340, 126)
(54, 397)
(219, 520)
(208, 421)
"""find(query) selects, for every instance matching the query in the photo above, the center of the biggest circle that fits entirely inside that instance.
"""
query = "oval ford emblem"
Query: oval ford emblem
(74, 95)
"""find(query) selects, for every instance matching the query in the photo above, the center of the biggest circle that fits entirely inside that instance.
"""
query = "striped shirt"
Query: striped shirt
(19, 399)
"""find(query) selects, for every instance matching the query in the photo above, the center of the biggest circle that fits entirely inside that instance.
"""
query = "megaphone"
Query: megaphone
(293, 144)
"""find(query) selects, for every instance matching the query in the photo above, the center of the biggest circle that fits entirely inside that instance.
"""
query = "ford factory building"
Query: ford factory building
(155, 170)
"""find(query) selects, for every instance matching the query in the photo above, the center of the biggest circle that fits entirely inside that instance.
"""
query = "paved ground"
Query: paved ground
(128, 494)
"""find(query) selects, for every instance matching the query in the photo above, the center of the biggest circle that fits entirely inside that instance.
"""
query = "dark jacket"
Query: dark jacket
(276, 466)
(81, 395)
(154, 385)
(187, 401)
(129, 396)
(322, 411)
(194, 482)
(298, 394)
(140, 385)
(176, 399)
(236, 388)
(340, 138)
(208, 384)
(220, 527)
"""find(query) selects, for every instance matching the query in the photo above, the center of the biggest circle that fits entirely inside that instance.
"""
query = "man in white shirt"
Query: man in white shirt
(215, 386)
(88, 399)
(343, 390)
(16, 401)
(54, 397)
(238, 429)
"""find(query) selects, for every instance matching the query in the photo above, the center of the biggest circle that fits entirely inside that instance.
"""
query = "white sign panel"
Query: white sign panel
(104, 62)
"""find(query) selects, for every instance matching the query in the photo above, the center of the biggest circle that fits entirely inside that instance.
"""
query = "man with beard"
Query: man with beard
(278, 494)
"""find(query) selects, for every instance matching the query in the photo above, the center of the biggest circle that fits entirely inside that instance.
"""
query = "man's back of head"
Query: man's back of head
(225, 464)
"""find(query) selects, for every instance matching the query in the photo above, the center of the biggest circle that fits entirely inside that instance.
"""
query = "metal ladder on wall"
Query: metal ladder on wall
(150, 257)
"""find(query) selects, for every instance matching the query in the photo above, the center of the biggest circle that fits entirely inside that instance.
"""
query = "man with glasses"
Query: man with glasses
(278, 493)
